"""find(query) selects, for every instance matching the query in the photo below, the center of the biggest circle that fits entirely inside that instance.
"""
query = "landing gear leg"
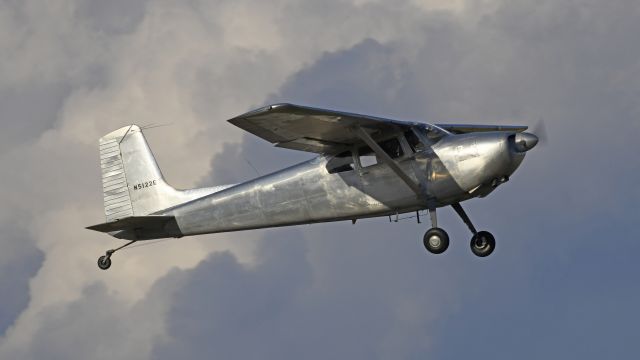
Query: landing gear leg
(104, 261)
(435, 240)
(482, 243)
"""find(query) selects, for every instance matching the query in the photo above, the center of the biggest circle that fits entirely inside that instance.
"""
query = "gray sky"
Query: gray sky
(561, 284)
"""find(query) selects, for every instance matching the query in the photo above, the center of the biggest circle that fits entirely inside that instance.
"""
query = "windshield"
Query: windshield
(432, 134)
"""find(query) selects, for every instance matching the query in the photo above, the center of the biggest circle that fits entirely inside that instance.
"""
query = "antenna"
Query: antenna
(253, 167)
(154, 125)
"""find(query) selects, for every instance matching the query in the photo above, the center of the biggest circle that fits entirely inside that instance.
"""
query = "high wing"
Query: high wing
(328, 131)
(314, 130)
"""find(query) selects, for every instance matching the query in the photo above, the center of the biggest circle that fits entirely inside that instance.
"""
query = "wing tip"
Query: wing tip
(262, 110)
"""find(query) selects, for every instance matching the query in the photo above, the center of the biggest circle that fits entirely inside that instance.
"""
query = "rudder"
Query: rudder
(117, 202)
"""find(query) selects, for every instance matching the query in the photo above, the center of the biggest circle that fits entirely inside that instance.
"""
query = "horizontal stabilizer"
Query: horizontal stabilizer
(141, 227)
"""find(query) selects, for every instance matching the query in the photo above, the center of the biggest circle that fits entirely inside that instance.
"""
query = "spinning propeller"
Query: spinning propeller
(540, 130)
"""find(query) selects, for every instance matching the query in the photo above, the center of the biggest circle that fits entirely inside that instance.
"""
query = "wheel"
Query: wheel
(483, 244)
(104, 262)
(436, 240)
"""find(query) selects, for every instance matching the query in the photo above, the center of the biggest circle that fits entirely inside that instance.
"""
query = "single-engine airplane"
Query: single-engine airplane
(366, 167)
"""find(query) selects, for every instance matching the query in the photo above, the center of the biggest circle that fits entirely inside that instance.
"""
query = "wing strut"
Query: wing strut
(362, 134)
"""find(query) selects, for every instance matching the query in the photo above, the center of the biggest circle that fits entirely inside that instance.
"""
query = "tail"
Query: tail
(134, 190)
(132, 183)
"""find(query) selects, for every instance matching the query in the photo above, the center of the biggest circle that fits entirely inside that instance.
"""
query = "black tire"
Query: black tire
(436, 240)
(104, 262)
(482, 244)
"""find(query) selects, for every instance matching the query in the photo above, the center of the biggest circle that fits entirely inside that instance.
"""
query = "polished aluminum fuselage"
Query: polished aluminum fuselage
(453, 169)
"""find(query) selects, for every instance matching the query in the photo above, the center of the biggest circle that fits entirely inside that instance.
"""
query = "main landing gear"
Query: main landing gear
(104, 261)
(436, 240)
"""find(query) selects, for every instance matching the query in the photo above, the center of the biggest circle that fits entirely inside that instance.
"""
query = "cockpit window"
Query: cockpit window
(434, 134)
(415, 143)
(392, 147)
(368, 157)
(431, 133)
(340, 163)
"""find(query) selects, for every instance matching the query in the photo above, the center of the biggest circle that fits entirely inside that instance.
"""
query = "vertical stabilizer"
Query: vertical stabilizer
(132, 183)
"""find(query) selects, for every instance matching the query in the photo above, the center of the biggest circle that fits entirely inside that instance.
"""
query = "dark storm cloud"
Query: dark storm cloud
(253, 157)
(99, 325)
(247, 304)
(562, 281)
(19, 261)
(309, 297)
(22, 118)
(44, 61)
(367, 63)
(114, 17)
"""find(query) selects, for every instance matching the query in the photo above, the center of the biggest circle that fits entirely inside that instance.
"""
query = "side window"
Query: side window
(392, 147)
(414, 142)
(340, 163)
(367, 157)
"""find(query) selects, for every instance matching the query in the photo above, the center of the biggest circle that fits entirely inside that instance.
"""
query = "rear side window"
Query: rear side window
(367, 157)
(340, 163)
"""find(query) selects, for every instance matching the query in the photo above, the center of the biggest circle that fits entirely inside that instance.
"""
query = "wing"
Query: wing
(330, 132)
(463, 129)
(314, 130)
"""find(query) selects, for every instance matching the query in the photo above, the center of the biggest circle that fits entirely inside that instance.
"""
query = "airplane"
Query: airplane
(365, 167)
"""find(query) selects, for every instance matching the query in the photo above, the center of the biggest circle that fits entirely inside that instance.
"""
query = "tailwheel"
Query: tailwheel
(483, 243)
(104, 262)
(436, 240)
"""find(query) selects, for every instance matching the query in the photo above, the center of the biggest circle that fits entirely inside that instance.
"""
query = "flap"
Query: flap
(464, 128)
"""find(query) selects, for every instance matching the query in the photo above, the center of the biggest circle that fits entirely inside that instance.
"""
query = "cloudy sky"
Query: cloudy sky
(563, 282)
